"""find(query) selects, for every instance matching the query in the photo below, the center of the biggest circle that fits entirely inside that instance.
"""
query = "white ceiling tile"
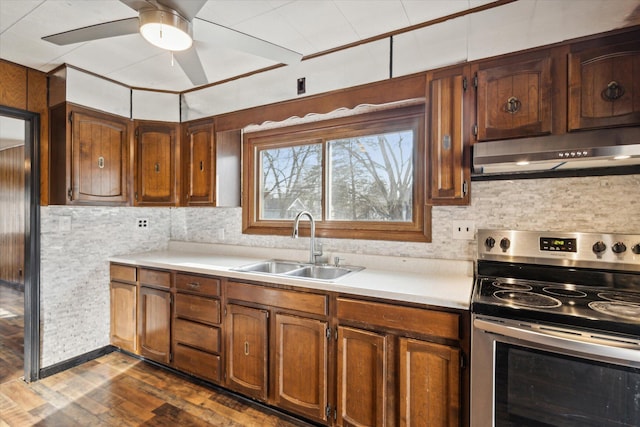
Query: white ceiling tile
(11, 11)
(388, 15)
(420, 11)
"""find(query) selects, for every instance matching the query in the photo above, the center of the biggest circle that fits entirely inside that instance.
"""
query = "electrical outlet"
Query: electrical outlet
(464, 230)
(142, 223)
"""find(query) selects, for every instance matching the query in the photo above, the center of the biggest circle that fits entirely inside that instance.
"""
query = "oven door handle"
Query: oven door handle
(589, 344)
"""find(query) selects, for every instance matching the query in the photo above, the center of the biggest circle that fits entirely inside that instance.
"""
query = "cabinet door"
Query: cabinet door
(155, 165)
(362, 371)
(154, 324)
(449, 137)
(604, 86)
(99, 151)
(301, 365)
(198, 164)
(246, 345)
(514, 100)
(123, 316)
(429, 384)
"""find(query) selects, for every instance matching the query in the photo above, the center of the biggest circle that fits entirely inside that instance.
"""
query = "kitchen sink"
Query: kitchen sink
(299, 270)
(271, 267)
(321, 272)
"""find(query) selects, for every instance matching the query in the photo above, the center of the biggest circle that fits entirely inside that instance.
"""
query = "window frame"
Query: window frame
(418, 230)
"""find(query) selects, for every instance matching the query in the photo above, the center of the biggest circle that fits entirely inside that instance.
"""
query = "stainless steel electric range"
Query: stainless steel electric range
(556, 329)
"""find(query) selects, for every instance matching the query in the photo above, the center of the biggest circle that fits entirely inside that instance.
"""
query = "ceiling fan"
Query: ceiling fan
(168, 25)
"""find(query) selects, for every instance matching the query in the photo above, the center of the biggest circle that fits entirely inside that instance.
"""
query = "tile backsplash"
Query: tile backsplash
(77, 241)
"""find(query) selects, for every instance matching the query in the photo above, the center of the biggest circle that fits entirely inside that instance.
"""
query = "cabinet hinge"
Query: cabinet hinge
(170, 357)
(465, 187)
(328, 333)
(70, 116)
(464, 83)
(475, 130)
(137, 132)
(336, 334)
(462, 361)
(335, 414)
(225, 310)
(475, 80)
(70, 194)
(327, 411)
(135, 195)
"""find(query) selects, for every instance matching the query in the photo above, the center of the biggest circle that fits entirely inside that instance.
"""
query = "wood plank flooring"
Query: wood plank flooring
(119, 390)
(11, 333)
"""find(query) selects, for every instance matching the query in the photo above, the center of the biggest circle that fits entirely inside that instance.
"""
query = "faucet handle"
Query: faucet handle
(336, 261)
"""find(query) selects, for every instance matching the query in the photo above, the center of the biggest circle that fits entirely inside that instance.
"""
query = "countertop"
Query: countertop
(435, 282)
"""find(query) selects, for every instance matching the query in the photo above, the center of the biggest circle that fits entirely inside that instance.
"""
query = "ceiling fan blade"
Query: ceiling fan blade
(94, 32)
(137, 4)
(190, 63)
(228, 37)
(188, 9)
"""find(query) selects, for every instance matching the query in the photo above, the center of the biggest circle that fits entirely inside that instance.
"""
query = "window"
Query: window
(360, 177)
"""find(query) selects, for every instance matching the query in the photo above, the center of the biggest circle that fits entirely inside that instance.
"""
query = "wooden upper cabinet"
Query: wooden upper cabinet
(514, 98)
(89, 157)
(449, 134)
(604, 84)
(155, 164)
(199, 164)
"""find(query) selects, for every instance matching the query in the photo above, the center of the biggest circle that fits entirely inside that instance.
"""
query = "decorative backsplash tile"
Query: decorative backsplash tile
(77, 241)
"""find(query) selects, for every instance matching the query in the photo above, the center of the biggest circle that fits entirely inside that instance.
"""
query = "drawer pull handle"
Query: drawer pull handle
(246, 348)
(194, 285)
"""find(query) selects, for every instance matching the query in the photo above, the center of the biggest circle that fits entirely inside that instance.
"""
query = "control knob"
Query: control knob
(599, 247)
(505, 243)
(618, 247)
(490, 242)
(636, 249)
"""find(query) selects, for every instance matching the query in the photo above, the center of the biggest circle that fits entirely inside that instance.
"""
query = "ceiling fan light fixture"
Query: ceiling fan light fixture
(165, 29)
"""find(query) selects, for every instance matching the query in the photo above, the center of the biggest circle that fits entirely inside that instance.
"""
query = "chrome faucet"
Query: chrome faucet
(313, 253)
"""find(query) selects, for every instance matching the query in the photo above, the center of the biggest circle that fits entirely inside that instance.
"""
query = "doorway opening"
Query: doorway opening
(20, 239)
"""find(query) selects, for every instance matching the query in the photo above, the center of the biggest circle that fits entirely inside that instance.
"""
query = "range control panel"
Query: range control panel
(591, 250)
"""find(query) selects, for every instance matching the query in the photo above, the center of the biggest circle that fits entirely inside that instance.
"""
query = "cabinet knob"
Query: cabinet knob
(156, 167)
(101, 162)
(613, 91)
(512, 105)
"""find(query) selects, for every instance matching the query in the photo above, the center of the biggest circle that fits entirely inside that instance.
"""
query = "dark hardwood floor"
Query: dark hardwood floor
(119, 390)
(11, 333)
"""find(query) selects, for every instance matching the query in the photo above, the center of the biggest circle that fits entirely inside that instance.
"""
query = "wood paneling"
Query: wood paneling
(13, 85)
(37, 102)
(12, 215)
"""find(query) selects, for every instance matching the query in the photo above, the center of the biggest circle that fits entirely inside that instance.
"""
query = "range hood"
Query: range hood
(579, 150)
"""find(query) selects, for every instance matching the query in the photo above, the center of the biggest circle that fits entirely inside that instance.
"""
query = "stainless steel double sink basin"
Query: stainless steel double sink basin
(298, 270)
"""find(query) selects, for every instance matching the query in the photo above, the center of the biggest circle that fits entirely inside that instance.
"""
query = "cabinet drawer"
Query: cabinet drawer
(122, 273)
(428, 322)
(155, 278)
(198, 363)
(198, 308)
(200, 284)
(197, 335)
(291, 300)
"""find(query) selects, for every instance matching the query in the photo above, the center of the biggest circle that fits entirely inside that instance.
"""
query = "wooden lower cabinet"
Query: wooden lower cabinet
(247, 355)
(301, 366)
(357, 363)
(123, 292)
(429, 384)
(154, 324)
(362, 372)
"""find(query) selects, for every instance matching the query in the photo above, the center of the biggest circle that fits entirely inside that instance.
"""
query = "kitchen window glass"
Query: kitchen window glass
(360, 176)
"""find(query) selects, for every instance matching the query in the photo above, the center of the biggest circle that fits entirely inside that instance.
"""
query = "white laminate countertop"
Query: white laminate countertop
(436, 282)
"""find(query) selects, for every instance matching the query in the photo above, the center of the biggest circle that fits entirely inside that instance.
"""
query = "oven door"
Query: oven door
(535, 375)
